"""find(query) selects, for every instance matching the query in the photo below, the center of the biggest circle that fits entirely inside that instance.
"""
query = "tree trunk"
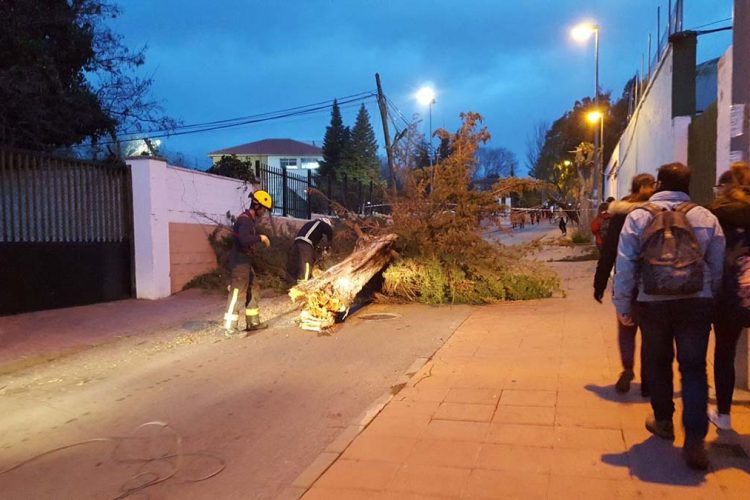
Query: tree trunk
(334, 291)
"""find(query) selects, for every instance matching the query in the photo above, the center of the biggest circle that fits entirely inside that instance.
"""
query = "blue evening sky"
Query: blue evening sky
(510, 60)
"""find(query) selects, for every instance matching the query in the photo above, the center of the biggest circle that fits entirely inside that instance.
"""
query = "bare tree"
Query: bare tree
(535, 144)
(493, 163)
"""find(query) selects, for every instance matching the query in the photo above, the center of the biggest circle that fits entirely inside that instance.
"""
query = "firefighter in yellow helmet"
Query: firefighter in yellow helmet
(244, 291)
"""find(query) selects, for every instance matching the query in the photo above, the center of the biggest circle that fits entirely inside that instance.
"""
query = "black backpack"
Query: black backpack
(671, 258)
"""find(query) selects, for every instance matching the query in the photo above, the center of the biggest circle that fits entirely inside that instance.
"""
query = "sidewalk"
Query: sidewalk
(520, 403)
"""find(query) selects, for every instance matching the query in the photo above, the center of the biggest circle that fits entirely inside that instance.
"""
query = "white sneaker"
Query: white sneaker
(720, 420)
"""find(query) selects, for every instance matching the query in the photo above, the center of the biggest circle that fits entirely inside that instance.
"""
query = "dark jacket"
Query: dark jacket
(244, 238)
(733, 211)
(312, 232)
(618, 211)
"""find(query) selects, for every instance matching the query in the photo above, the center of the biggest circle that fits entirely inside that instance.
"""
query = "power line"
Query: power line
(710, 24)
(260, 115)
(224, 124)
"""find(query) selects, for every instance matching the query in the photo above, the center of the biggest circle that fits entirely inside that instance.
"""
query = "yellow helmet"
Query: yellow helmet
(262, 198)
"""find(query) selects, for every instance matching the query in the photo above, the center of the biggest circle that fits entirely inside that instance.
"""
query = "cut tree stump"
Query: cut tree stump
(334, 291)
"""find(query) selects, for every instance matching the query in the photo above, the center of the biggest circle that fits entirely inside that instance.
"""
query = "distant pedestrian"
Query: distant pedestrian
(563, 225)
(244, 290)
(641, 188)
(732, 208)
(307, 246)
(672, 251)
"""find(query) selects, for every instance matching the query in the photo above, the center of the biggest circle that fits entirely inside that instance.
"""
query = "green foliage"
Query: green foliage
(231, 166)
(430, 281)
(335, 145)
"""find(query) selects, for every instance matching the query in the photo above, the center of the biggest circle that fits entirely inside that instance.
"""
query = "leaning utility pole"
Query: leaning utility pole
(384, 117)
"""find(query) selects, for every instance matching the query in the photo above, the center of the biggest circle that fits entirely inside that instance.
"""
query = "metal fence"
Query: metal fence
(299, 193)
(65, 232)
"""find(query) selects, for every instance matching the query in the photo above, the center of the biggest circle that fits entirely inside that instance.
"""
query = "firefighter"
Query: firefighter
(244, 291)
(307, 243)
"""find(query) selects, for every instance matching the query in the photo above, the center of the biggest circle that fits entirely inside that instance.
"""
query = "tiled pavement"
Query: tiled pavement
(519, 403)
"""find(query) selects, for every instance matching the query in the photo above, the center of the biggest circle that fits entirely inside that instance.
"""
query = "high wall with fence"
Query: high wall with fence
(653, 136)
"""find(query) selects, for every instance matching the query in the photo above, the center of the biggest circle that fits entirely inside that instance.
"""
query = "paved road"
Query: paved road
(265, 406)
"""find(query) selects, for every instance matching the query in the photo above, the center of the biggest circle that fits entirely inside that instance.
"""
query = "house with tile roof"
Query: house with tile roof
(275, 153)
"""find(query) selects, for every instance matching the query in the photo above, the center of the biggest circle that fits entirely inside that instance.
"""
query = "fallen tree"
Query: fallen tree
(334, 290)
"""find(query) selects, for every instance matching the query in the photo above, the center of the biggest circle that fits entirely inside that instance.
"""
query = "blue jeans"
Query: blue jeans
(687, 323)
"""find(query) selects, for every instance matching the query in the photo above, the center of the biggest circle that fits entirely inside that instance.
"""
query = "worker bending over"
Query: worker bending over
(307, 244)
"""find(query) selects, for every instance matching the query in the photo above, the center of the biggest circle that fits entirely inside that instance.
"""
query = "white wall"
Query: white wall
(164, 194)
(201, 198)
(724, 97)
(652, 138)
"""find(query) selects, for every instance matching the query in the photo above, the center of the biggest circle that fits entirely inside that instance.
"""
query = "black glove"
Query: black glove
(598, 294)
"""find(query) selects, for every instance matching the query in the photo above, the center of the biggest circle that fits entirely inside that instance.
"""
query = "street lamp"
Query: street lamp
(426, 97)
(581, 33)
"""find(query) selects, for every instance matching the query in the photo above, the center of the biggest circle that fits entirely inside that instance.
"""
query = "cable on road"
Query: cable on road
(144, 478)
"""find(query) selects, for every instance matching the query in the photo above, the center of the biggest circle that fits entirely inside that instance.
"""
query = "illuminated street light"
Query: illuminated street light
(583, 31)
(425, 96)
(594, 116)
(567, 163)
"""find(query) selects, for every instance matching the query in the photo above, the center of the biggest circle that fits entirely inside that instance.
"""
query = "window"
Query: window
(310, 163)
(288, 162)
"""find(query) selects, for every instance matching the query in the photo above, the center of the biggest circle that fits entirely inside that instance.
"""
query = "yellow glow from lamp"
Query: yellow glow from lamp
(594, 116)
(583, 31)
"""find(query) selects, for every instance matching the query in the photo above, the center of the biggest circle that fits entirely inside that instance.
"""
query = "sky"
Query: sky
(512, 61)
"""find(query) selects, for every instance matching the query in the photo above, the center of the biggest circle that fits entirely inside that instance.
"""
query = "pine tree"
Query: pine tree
(363, 161)
(335, 145)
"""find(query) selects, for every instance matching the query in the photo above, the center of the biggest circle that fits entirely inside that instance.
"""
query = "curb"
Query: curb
(332, 452)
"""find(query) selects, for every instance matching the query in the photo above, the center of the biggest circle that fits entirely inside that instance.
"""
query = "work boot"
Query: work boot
(623, 383)
(256, 327)
(660, 428)
(695, 455)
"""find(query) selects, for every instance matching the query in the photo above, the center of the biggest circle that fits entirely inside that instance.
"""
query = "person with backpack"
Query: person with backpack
(672, 251)
(641, 189)
(732, 208)
(600, 225)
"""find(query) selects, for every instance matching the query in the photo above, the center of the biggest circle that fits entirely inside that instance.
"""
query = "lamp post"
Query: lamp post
(581, 33)
(426, 97)
(594, 117)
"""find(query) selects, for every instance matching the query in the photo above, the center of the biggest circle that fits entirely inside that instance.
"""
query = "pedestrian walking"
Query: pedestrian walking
(641, 189)
(672, 251)
(244, 290)
(732, 208)
(563, 225)
(307, 246)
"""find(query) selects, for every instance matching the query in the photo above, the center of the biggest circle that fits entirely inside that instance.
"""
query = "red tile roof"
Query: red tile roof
(272, 147)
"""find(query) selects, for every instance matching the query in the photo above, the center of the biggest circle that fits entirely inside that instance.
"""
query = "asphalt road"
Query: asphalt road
(262, 407)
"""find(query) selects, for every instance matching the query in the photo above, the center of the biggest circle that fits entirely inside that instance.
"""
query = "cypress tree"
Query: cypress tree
(363, 154)
(335, 144)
